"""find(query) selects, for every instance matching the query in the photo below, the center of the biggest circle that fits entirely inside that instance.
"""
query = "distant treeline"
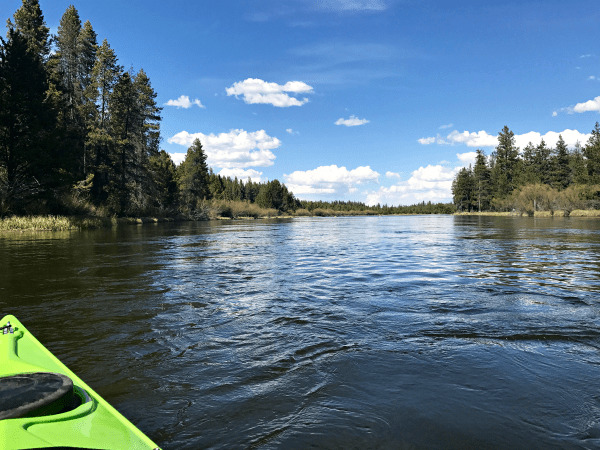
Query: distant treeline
(538, 178)
(358, 208)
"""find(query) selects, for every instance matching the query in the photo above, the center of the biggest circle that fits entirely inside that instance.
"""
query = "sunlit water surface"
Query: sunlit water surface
(402, 332)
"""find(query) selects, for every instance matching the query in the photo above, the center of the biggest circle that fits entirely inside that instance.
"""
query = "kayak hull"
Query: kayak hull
(92, 424)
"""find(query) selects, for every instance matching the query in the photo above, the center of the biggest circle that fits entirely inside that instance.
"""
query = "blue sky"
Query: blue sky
(379, 101)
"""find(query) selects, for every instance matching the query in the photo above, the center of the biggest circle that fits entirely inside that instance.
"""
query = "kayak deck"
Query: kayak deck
(91, 423)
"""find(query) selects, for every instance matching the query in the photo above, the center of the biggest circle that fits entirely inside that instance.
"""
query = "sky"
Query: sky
(378, 101)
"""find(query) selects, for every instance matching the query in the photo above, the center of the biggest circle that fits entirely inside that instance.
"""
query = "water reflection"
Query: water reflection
(411, 332)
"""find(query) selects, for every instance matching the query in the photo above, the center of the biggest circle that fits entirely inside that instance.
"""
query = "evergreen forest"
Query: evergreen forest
(80, 136)
(538, 178)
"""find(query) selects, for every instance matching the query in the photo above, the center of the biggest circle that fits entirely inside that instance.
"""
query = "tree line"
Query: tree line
(538, 178)
(358, 208)
(79, 134)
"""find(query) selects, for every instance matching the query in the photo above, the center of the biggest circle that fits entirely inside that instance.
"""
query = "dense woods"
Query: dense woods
(539, 178)
(81, 135)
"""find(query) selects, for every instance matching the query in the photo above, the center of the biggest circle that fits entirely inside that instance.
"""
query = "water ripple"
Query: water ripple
(404, 332)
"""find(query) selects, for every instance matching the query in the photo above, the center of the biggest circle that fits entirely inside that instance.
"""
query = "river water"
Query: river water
(363, 332)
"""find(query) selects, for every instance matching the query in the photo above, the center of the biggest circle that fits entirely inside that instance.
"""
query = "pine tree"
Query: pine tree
(542, 162)
(481, 179)
(275, 195)
(592, 153)
(26, 124)
(251, 190)
(290, 203)
(269, 195)
(124, 193)
(216, 186)
(463, 189)
(233, 190)
(105, 74)
(87, 46)
(68, 62)
(561, 175)
(578, 166)
(100, 141)
(192, 177)
(529, 172)
(148, 134)
(149, 114)
(506, 159)
(67, 94)
(29, 21)
(164, 179)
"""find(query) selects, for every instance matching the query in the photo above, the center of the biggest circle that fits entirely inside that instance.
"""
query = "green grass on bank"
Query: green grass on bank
(232, 210)
(38, 223)
(487, 213)
(67, 223)
(554, 213)
(585, 213)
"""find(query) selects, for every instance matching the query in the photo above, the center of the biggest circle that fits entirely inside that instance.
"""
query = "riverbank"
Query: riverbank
(70, 223)
(555, 213)
(75, 223)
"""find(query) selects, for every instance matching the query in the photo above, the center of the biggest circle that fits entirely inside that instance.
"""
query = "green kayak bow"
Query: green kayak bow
(43, 404)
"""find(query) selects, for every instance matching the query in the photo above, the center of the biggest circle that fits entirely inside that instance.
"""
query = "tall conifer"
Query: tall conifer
(463, 189)
(578, 166)
(481, 178)
(529, 172)
(592, 153)
(67, 54)
(124, 193)
(26, 123)
(561, 175)
(506, 159)
(87, 46)
(100, 141)
(29, 21)
(192, 175)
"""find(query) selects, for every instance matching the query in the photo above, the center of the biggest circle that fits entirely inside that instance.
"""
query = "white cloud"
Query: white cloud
(430, 183)
(255, 91)
(590, 105)
(177, 157)
(444, 127)
(389, 174)
(328, 179)
(571, 137)
(352, 121)
(482, 138)
(242, 174)
(352, 5)
(467, 158)
(473, 139)
(235, 149)
(470, 139)
(427, 140)
(185, 102)
(291, 131)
